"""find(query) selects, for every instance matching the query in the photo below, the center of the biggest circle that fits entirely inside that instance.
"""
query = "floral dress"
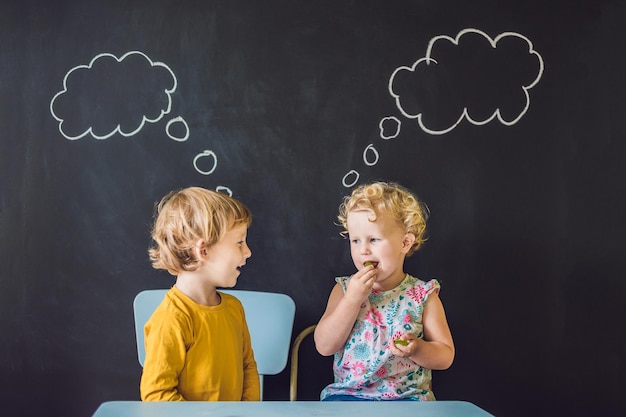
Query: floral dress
(366, 368)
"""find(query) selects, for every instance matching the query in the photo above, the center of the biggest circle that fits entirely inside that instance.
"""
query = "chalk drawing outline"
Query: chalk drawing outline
(118, 128)
(372, 150)
(162, 112)
(224, 189)
(178, 119)
(464, 114)
(206, 153)
(352, 176)
(345, 178)
(381, 127)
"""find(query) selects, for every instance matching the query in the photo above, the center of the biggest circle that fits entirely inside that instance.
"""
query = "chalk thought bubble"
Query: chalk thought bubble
(469, 77)
(389, 127)
(112, 95)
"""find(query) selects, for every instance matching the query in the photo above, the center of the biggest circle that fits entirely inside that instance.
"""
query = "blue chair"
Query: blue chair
(270, 318)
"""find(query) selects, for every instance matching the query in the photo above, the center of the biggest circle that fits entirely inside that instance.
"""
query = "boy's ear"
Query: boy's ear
(200, 250)
(407, 242)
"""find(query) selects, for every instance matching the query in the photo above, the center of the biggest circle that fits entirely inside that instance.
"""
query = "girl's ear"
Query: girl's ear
(407, 242)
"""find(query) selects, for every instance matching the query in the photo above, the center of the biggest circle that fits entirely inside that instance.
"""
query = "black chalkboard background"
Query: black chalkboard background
(526, 233)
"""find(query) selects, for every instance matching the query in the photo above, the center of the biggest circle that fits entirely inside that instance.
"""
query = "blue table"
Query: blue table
(291, 409)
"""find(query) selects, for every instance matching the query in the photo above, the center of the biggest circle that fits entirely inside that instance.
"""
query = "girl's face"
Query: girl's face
(227, 256)
(383, 242)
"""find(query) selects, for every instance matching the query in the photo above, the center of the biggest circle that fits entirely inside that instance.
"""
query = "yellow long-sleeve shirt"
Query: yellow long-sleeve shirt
(198, 353)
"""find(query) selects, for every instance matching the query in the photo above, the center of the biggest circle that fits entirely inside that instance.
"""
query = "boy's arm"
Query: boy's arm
(251, 382)
(165, 356)
(436, 349)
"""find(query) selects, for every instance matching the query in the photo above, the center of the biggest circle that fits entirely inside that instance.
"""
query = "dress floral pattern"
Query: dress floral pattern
(365, 367)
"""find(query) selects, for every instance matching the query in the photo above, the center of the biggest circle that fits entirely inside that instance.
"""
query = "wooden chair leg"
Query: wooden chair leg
(293, 381)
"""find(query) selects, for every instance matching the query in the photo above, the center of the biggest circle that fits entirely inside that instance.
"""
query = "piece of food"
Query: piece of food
(368, 263)
(400, 342)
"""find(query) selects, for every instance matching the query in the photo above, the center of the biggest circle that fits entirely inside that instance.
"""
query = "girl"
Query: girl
(386, 329)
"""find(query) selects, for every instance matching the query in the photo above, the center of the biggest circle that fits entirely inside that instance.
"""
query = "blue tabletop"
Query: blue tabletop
(291, 409)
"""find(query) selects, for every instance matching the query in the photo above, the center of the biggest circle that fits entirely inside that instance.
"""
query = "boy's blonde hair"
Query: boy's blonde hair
(388, 198)
(184, 217)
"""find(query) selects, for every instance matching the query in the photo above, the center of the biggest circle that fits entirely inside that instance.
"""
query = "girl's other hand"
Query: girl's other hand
(405, 345)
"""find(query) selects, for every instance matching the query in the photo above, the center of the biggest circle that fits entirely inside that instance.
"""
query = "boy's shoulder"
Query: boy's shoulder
(229, 300)
(173, 304)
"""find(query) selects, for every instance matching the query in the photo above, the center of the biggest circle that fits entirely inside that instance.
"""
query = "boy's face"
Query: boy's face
(383, 242)
(227, 256)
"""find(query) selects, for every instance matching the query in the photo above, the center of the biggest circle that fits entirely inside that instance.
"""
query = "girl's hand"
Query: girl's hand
(360, 285)
(436, 349)
(405, 346)
(342, 309)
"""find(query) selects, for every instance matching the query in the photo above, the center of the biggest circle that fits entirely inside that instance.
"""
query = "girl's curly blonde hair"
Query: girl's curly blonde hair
(184, 217)
(388, 198)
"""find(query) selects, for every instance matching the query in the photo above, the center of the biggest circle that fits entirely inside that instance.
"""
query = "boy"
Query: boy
(197, 341)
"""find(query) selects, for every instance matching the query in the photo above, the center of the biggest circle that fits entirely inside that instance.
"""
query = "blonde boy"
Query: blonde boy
(197, 341)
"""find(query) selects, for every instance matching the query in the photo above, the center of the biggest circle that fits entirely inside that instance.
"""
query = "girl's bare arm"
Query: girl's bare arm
(436, 349)
(335, 326)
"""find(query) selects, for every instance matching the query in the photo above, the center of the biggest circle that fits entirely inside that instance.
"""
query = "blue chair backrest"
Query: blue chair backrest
(270, 318)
